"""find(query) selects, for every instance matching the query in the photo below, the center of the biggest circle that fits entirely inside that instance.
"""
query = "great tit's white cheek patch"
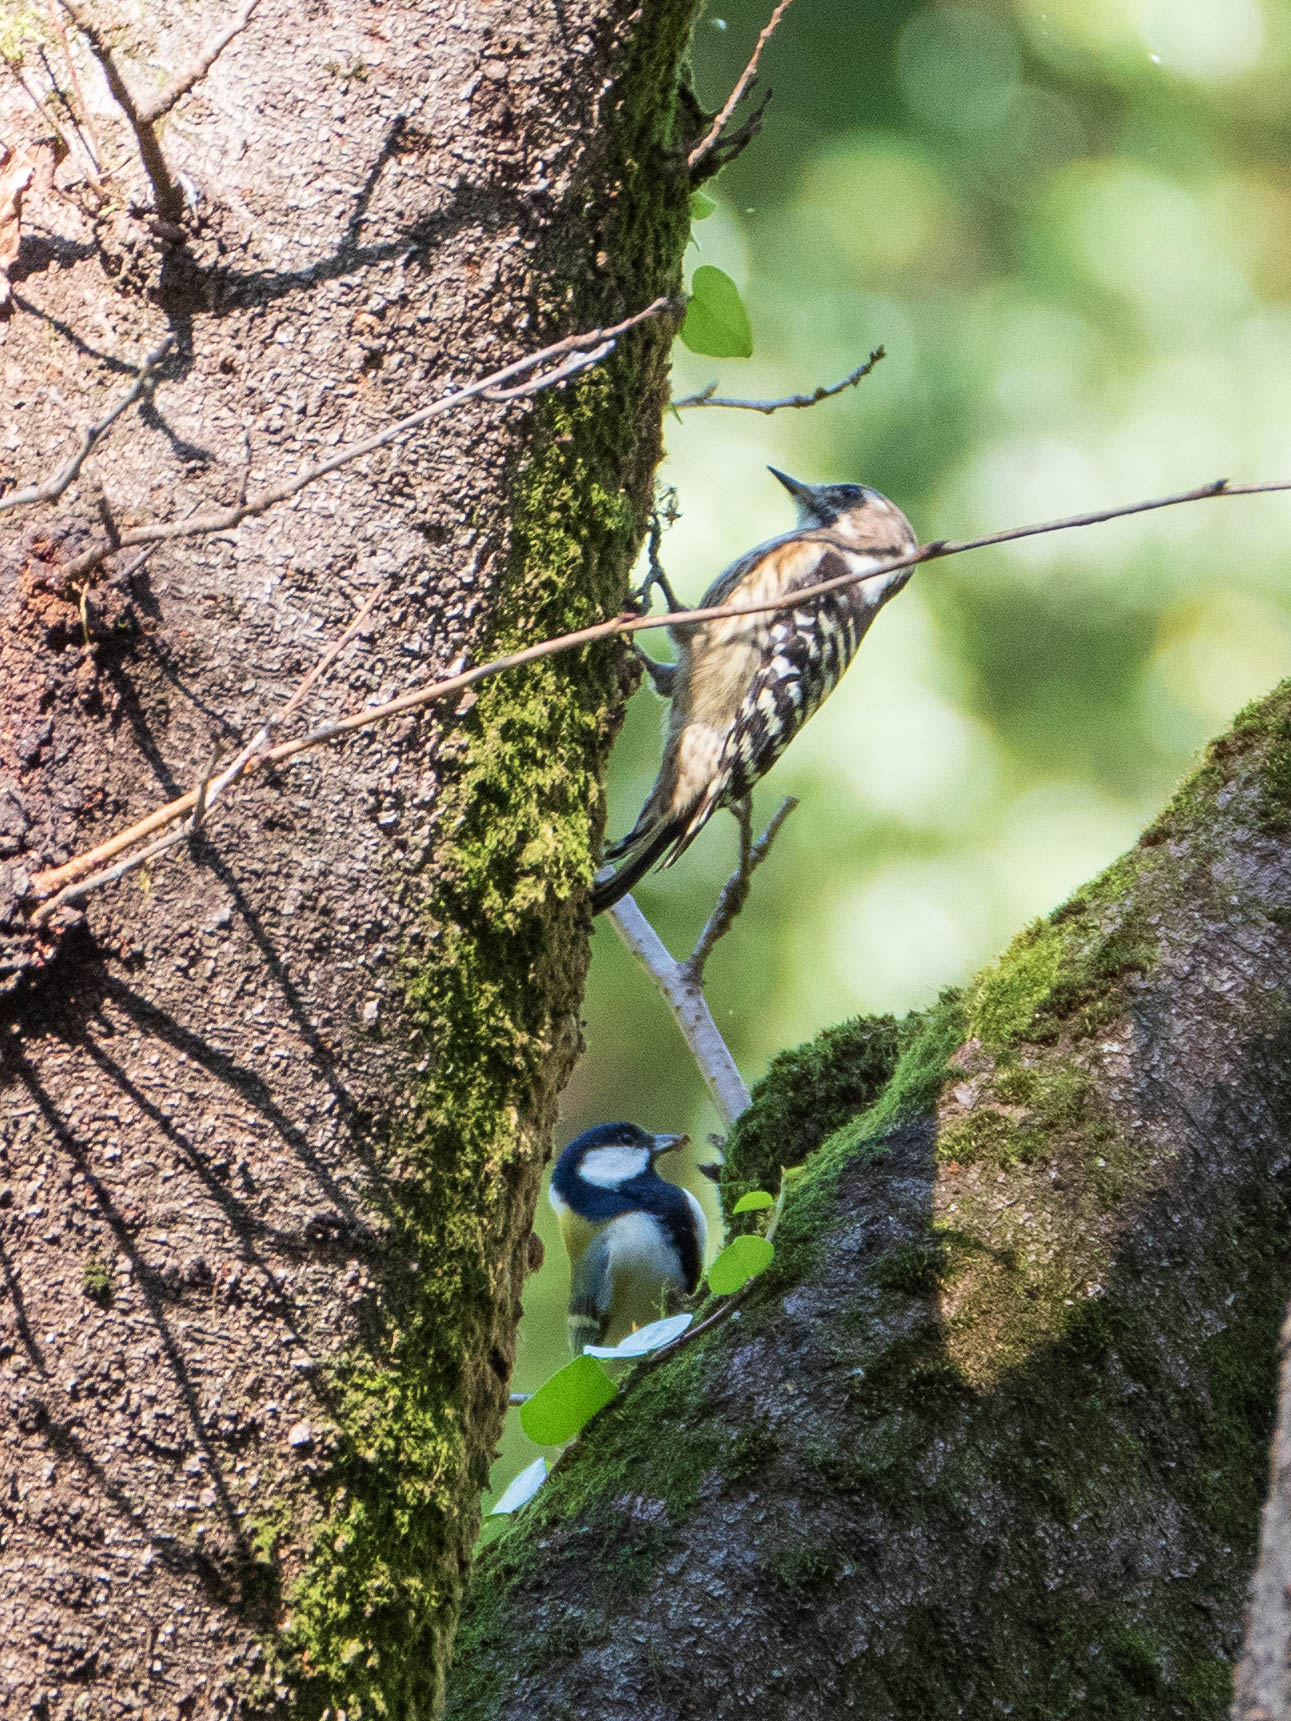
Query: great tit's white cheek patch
(608, 1167)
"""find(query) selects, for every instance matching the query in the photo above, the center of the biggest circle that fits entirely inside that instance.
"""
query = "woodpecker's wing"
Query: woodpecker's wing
(746, 684)
(772, 671)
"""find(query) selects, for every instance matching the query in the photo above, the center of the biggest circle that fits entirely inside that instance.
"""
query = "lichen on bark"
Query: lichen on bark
(990, 1435)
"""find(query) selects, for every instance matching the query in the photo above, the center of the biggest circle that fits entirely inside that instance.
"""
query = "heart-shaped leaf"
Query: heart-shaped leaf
(564, 1403)
(716, 325)
(741, 1260)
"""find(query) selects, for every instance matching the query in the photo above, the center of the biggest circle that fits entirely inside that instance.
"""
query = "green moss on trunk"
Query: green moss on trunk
(492, 994)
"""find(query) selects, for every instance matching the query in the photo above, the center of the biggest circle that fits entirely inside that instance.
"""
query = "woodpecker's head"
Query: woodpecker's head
(822, 504)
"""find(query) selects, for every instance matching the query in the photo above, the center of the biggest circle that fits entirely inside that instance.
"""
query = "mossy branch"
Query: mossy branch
(991, 1431)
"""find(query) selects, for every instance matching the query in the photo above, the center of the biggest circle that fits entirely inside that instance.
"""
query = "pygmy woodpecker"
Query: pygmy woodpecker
(633, 1238)
(743, 687)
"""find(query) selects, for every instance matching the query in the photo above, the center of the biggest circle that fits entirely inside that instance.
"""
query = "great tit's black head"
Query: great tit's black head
(609, 1156)
(821, 504)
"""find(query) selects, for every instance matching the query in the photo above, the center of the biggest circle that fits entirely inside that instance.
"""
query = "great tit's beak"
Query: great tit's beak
(665, 1144)
(803, 494)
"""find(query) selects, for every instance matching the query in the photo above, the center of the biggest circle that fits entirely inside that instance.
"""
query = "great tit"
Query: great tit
(632, 1236)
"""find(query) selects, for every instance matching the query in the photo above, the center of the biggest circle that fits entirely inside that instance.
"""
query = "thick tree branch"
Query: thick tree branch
(1010, 1369)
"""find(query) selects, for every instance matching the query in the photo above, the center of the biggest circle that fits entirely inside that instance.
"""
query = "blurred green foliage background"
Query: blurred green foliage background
(1069, 223)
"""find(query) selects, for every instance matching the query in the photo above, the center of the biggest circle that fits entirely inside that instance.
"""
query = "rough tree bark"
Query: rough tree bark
(990, 1437)
(274, 1114)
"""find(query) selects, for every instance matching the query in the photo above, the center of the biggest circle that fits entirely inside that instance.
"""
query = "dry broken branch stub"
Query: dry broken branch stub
(735, 891)
(713, 138)
(168, 197)
(710, 397)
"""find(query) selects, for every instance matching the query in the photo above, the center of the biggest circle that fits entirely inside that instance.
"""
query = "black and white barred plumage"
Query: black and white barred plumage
(743, 686)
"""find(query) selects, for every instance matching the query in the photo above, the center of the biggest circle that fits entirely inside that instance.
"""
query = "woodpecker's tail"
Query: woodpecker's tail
(608, 891)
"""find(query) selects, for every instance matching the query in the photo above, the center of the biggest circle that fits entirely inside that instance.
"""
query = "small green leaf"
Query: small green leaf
(741, 1260)
(716, 325)
(564, 1403)
(701, 207)
(751, 1202)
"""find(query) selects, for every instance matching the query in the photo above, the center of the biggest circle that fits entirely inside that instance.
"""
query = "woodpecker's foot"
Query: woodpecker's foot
(641, 598)
(662, 675)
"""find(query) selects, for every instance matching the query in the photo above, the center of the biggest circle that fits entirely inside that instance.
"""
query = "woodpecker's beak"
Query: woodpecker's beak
(802, 493)
(665, 1144)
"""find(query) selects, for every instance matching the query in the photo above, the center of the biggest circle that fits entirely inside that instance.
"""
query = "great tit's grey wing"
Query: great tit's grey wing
(590, 1291)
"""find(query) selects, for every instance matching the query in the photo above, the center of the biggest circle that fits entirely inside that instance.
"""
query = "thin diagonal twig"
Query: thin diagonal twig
(93, 148)
(55, 879)
(570, 350)
(735, 891)
(204, 796)
(54, 487)
(193, 73)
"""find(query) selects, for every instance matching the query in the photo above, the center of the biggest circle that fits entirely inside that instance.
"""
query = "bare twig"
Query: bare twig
(710, 397)
(93, 149)
(167, 195)
(211, 787)
(684, 996)
(365, 718)
(46, 117)
(152, 111)
(713, 136)
(571, 351)
(736, 889)
(51, 488)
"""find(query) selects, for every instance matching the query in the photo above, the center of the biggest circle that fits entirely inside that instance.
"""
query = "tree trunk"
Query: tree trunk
(275, 1112)
(990, 1436)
